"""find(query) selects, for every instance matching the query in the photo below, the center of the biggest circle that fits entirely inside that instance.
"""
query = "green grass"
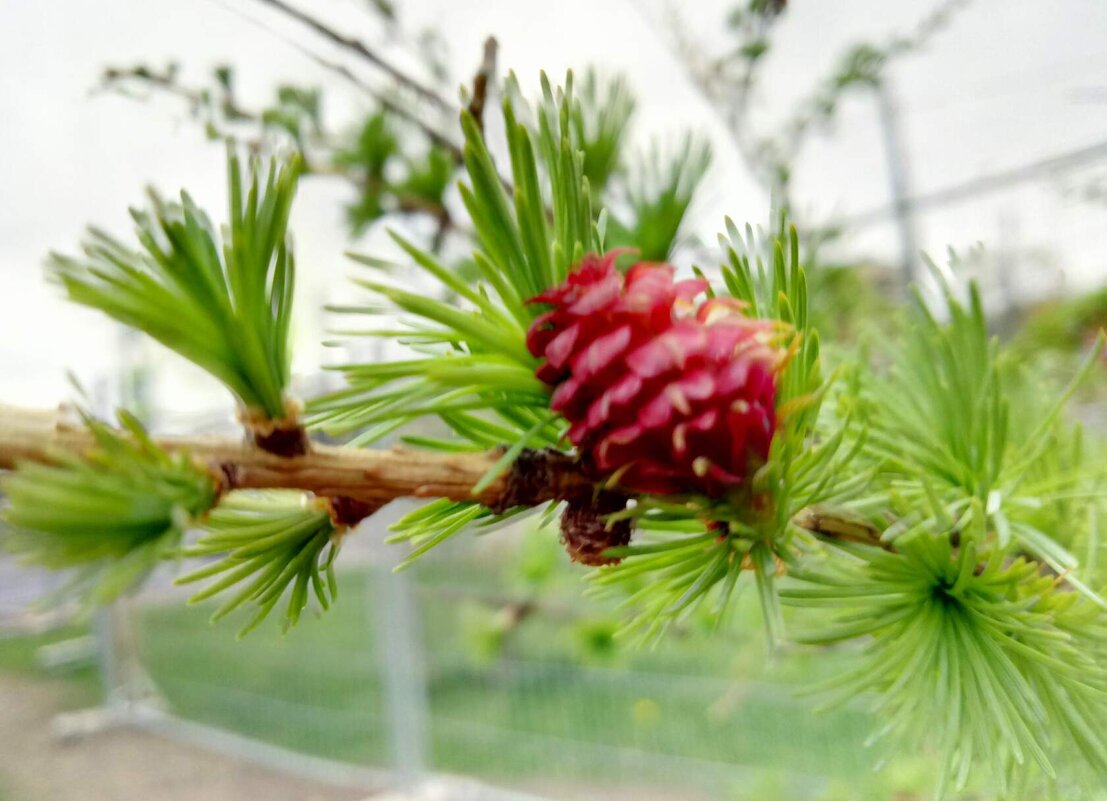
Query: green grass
(76, 687)
(314, 690)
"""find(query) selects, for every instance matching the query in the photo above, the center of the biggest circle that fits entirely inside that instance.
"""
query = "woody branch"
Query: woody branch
(372, 477)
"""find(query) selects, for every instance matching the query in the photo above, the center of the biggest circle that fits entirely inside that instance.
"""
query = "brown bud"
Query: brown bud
(284, 437)
(279, 441)
(586, 532)
(347, 512)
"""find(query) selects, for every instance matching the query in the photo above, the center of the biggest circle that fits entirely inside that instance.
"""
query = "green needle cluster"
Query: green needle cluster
(111, 515)
(222, 302)
(269, 545)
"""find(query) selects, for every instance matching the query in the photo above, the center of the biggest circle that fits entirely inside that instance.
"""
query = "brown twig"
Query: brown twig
(838, 525)
(218, 109)
(387, 103)
(364, 479)
(360, 474)
(113, 78)
(482, 81)
(359, 48)
(284, 437)
(116, 78)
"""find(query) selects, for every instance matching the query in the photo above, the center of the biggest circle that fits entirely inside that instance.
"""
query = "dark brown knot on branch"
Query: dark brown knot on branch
(538, 476)
(284, 437)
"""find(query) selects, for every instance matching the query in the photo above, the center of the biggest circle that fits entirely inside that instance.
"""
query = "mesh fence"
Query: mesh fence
(487, 660)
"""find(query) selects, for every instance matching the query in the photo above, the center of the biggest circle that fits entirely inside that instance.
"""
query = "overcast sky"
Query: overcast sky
(1010, 82)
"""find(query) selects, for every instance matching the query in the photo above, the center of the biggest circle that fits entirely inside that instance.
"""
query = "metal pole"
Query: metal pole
(1007, 264)
(896, 157)
(399, 644)
(399, 641)
(122, 677)
(108, 659)
(106, 625)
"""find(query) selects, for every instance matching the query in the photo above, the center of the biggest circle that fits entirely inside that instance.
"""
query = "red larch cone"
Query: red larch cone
(661, 395)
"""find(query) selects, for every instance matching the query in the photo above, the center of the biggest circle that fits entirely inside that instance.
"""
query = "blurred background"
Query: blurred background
(977, 127)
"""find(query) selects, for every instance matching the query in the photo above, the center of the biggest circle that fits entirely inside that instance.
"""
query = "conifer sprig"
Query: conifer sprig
(112, 514)
(985, 633)
(600, 125)
(969, 651)
(224, 303)
(961, 449)
(271, 545)
(660, 185)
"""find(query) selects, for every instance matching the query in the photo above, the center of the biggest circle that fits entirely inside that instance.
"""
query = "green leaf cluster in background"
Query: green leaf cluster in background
(297, 112)
(659, 187)
(398, 164)
(599, 125)
(390, 178)
(647, 193)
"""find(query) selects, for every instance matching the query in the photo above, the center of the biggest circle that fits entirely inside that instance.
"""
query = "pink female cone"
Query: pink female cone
(667, 397)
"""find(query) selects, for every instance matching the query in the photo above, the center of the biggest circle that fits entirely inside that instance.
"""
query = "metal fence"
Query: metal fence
(459, 667)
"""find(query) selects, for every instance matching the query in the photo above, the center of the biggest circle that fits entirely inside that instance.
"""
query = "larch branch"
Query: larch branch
(371, 477)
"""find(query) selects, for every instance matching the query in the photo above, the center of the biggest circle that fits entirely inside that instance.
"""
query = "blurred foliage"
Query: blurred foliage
(269, 545)
(400, 165)
(599, 130)
(658, 190)
(390, 180)
(294, 116)
(731, 78)
(849, 301)
(1065, 324)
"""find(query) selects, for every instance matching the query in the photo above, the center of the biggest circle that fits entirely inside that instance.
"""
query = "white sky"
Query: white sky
(1011, 81)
